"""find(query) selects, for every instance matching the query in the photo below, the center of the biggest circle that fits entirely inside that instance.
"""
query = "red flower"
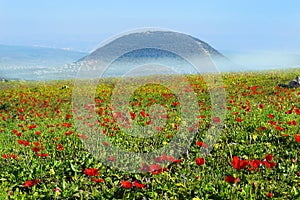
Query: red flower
(126, 184)
(201, 144)
(269, 165)
(112, 159)
(155, 169)
(269, 157)
(5, 156)
(270, 195)
(43, 155)
(288, 111)
(91, 172)
(31, 183)
(255, 164)
(138, 185)
(297, 137)
(238, 119)
(97, 180)
(216, 120)
(237, 163)
(66, 124)
(279, 128)
(261, 106)
(35, 149)
(231, 179)
(60, 147)
(294, 123)
(28, 183)
(200, 161)
(270, 116)
(32, 126)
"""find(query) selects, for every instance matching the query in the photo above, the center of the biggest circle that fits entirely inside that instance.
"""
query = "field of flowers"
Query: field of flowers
(255, 157)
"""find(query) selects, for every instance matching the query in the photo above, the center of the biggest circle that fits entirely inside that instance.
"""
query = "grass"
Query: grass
(44, 154)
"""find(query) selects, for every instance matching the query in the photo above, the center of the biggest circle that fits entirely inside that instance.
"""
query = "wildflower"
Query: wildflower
(91, 172)
(138, 185)
(237, 163)
(231, 179)
(200, 161)
(202, 144)
(126, 184)
(297, 137)
(97, 180)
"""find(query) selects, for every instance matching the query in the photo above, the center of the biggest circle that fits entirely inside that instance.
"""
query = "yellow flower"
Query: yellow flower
(52, 172)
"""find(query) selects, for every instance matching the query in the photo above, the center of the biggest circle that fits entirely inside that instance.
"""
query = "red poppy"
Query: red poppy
(288, 111)
(279, 128)
(155, 169)
(60, 147)
(216, 120)
(126, 184)
(268, 161)
(270, 195)
(201, 144)
(66, 124)
(238, 119)
(112, 159)
(255, 164)
(91, 172)
(294, 123)
(138, 185)
(97, 180)
(32, 126)
(297, 137)
(231, 179)
(43, 155)
(270, 116)
(30, 183)
(237, 163)
(269, 157)
(5, 156)
(200, 161)
(35, 149)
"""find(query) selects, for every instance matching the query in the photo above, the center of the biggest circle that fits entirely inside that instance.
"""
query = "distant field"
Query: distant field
(256, 157)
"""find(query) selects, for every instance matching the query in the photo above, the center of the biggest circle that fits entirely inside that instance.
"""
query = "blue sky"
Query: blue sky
(82, 25)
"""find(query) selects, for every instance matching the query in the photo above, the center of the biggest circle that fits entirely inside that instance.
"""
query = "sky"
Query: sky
(228, 25)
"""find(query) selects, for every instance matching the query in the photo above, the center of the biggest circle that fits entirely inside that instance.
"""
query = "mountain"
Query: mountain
(167, 39)
(28, 56)
(172, 49)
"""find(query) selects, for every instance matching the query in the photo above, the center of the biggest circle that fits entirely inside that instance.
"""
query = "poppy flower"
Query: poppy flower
(231, 179)
(200, 161)
(5, 156)
(60, 147)
(201, 144)
(270, 116)
(270, 195)
(237, 163)
(155, 169)
(126, 184)
(43, 155)
(238, 119)
(255, 164)
(30, 183)
(297, 137)
(97, 180)
(91, 172)
(138, 185)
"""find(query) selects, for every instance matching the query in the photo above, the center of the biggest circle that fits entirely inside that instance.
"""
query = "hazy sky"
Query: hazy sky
(82, 25)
